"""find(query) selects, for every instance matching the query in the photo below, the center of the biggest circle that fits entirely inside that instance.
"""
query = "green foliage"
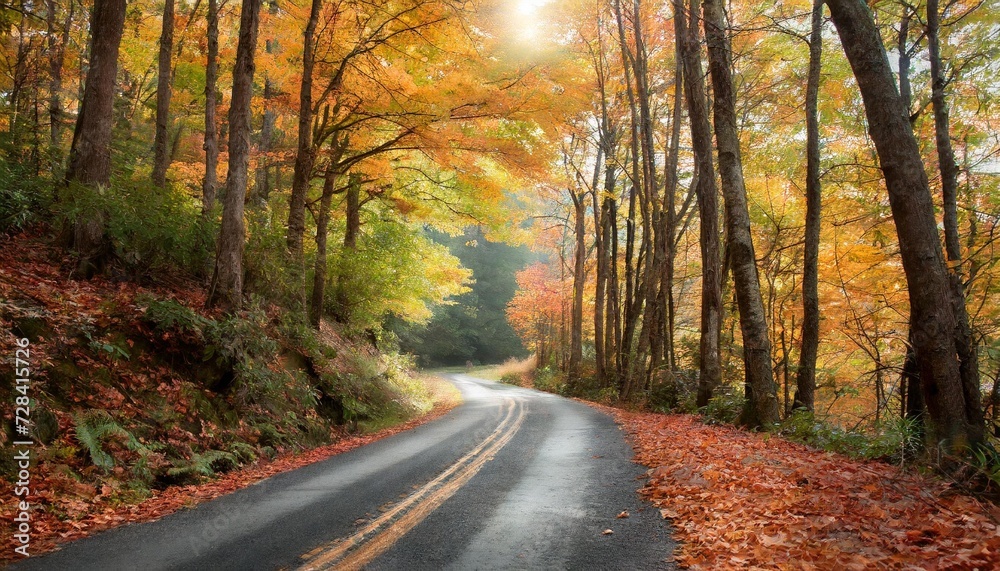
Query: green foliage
(549, 379)
(676, 394)
(265, 258)
(395, 270)
(202, 465)
(150, 228)
(896, 440)
(23, 197)
(724, 407)
(94, 428)
(169, 315)
(109, 347)
(475, 327)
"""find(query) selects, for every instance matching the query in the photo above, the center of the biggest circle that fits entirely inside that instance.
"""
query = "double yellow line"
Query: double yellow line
(380, 534)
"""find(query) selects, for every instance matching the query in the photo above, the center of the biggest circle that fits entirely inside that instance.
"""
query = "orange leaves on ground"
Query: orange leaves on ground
(86, 510)
(742, 501)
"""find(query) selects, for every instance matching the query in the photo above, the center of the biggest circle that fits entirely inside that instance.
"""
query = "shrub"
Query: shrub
(23, 197)
(149, 228)
(724, 407)
(895, 440)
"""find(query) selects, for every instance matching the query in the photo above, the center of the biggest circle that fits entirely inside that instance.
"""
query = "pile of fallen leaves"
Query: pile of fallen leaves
(740, 500)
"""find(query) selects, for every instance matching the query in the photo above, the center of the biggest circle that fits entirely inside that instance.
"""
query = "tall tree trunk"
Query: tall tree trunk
(322, 224)
(762, 401)
(161, 146)
(670, 208)
(227, 280)
(942, 137)
(90, 153)
(305, 154)
(57, 50)
(933, 314)
(710, 371)
(964, 340)
(579, 282)
(342, 312)
(805, 380)
(262, 178)
(211, 145)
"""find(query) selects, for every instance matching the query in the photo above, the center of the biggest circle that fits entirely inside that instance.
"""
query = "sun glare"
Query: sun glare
(526, 20)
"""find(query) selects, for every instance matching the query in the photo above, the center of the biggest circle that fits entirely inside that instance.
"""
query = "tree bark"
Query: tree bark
(322, 225)
(761, 407)
(227, 280)
(964, 340)
(161, 146)
(805, 380)
(57, 51)
(90, 153)
(579, 282)
(933, 314)
(710, 370)
(305, 155)
(342, 312)
(211, 145)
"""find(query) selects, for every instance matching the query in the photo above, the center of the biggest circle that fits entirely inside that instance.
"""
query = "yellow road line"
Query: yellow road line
(384, 531)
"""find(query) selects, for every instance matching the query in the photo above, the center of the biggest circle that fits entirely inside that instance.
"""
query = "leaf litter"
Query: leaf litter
(741, 500)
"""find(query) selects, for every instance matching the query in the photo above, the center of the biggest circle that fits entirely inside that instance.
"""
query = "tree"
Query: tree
(90, 153)
(762, 403)
(805, 381)
(211, 145)
(161, 150)
(953, 423)
(227, 280)
(710, 370)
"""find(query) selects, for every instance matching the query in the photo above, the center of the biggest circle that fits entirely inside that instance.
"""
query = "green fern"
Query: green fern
(203, 465)
(93, 428)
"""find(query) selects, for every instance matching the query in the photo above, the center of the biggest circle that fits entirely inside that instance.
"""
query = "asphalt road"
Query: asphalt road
(511, 479)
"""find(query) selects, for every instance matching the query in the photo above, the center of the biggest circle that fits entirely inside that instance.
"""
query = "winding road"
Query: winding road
(511, 479)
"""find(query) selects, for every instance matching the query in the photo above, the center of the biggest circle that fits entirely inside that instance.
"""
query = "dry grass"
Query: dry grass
(444, 395)
(520, 367)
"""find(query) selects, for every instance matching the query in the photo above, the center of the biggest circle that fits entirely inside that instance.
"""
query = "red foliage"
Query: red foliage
(739, 500)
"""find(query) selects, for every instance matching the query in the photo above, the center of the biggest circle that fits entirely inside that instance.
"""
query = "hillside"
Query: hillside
(140, 401)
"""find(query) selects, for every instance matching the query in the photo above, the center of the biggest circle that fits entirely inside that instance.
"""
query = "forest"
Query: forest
(781, 214)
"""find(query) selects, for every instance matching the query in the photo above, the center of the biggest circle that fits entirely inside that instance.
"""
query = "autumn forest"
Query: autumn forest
(259, 216)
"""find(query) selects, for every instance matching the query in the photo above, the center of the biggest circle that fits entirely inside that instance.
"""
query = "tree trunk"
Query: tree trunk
(342, 312)
(964, 340)
(305, 155)
(322, 223)
(805, 380)
(211, 93)
(161, 146)
(57, 51)
(710, 371)
(90, 153)
(933, 314)
(227, 280)
(579, 282)
(762, 401)
(942, 137)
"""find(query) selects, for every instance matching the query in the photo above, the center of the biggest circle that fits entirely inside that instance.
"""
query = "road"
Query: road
(511, 479)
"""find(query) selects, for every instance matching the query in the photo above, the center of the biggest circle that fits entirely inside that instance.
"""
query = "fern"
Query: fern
(93, 428)
(203, 465)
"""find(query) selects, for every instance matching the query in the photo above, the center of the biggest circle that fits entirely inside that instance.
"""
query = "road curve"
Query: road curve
(512, 479)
